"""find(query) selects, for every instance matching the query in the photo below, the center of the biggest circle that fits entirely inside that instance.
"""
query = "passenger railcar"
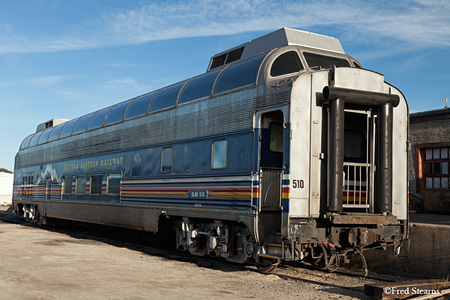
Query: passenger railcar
(285, 149)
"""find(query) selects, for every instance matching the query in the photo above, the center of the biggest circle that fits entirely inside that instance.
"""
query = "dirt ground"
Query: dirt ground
(39, 263)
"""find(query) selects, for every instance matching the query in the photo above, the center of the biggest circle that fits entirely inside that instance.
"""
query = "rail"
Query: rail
(356, 185)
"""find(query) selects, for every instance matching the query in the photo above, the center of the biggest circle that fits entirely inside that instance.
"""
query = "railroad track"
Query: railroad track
(131, 239)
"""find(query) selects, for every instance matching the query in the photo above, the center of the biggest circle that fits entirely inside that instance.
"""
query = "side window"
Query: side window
(113, 184)
(81, 185)
(98, 118)
(117, 112)
(219, 154)
(48, 189)
(239, 75)
(276, 137)
(166, 97)
(96, 184)
(67, 129)
(166, 159)
(55, 133)
(286, 63)
(44, 136)
(35, 139)
(67, 185)
(139, 106)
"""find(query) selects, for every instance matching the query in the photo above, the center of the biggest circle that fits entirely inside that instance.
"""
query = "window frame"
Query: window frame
(77, 187)
(213, 152)
(118, 176)
(422, 173)
(171, 159)
(91, 184)
(275, 59)
(234, 68)
(65, 184)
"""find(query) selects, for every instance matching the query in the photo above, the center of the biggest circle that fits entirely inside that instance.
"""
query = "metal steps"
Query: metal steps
(275, 248)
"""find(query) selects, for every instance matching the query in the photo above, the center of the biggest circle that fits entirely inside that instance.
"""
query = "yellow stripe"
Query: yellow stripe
(269, 256)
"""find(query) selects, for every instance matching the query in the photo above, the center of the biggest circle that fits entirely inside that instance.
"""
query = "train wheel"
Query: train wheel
(267, 265)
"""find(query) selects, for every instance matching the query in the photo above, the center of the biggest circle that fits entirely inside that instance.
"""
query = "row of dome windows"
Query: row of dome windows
(231, 77)
(234, 76)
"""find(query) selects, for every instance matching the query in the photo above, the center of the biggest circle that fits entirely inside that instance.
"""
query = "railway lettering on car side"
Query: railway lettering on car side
(298, 183)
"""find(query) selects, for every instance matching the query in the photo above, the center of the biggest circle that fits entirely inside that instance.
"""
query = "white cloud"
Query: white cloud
(45, 81)
(417, 23)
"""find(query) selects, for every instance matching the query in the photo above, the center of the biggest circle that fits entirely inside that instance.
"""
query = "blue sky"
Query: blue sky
(64, 59)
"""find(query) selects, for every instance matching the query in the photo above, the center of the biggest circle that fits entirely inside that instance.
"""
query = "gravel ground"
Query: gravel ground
(44, 264)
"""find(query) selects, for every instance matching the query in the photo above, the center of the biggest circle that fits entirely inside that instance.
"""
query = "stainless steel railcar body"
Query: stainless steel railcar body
(285, 149)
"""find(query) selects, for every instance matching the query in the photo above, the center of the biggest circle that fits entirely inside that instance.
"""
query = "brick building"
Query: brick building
(429, 159)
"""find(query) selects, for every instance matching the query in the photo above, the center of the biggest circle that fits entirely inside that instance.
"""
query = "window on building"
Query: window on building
(113, 184)
(67, 185)
(219, 154)
(96, 184)
(81, 185)
(436, 168)
(166, 159)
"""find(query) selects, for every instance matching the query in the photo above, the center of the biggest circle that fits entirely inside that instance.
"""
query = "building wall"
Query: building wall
(421, 133)
(429, 158)
(6, 187)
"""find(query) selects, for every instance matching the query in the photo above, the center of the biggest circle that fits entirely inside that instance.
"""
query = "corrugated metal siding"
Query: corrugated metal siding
(225, 114)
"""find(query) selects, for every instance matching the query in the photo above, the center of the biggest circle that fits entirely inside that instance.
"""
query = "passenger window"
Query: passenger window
(198, 87)
(35, 139)
(113, 184)
(276, 137)
(25, 142)
(166, 160)
(81, 185)
(286, 63)
(96, 184)
(98, 118)
(44, 136)
(67, 129)
(323, 61)
(67, 185)
(55, 133)
(82, 123)
(219, 154)
(238, 75)
(117, 113)
(139, 106)
(166, 97)
(48, 189)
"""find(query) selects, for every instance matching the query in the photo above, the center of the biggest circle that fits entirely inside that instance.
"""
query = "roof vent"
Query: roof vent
(49, 124)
